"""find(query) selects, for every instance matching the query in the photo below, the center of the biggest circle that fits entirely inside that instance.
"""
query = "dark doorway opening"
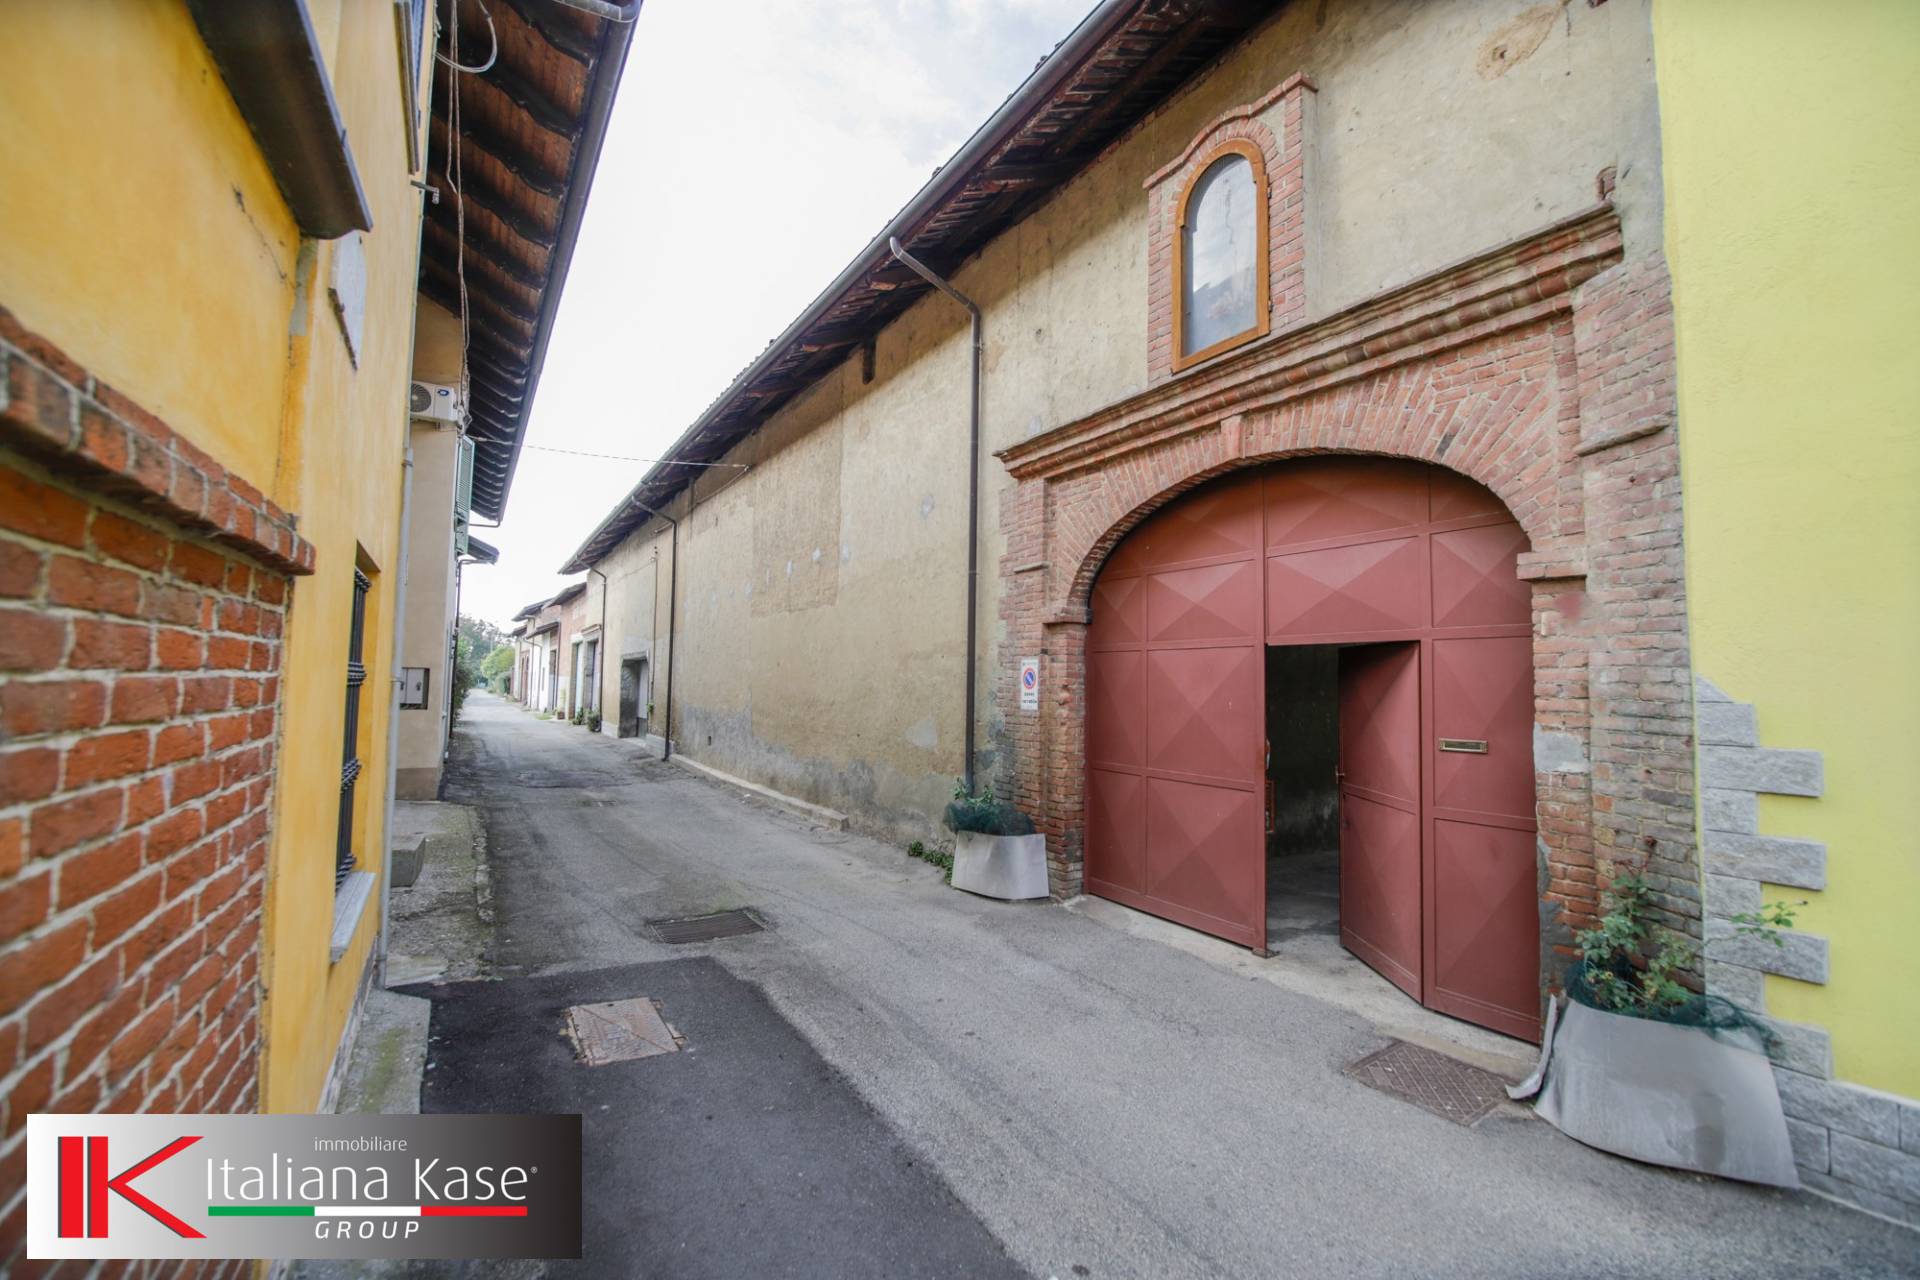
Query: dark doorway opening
(1303, 794)
(633, 697)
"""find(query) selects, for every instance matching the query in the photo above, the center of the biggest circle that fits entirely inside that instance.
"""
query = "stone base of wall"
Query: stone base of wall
(1854, 1144)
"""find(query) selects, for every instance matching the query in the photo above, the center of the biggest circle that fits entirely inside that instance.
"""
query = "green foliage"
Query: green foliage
(497, 667)
(985, 814)
(593, 721)
(939, 859)
(1631, 965)
(1768, 921)
(481, 657)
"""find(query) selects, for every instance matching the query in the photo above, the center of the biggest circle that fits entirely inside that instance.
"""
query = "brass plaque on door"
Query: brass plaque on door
(1473, 746)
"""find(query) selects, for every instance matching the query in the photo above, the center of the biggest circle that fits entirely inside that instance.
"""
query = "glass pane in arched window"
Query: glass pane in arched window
(1219, 250)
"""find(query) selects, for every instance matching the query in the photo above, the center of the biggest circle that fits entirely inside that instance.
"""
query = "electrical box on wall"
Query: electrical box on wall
(413, 688)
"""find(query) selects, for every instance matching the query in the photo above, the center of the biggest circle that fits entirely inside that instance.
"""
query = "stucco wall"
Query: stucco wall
(840, 679)
(340, 469)
(1792, 233)
(430, 604)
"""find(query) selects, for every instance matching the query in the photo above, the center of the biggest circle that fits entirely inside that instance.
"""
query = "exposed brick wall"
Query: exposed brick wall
(1540, 370)
(143, 598)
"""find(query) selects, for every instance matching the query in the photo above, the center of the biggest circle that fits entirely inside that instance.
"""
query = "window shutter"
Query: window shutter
(463, 496)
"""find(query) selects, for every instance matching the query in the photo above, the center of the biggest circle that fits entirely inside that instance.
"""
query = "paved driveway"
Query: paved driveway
(1105, 1105)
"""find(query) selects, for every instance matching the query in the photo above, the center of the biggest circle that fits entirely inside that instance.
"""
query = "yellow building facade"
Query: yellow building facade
(1791, 149)
(157, 280)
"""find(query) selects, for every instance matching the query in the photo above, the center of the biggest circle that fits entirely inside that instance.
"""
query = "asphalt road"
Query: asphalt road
(1103, 1105)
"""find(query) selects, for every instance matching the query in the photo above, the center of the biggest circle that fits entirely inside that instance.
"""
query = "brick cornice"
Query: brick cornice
(54, 409)
(1524, 282)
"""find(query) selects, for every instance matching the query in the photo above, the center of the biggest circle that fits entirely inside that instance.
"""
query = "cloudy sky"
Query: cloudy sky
(756, 146)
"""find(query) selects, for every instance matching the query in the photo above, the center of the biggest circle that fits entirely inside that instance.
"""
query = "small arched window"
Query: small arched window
(1222, 256)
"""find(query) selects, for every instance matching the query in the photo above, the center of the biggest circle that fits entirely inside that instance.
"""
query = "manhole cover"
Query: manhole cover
(1445, 1086)
(720, 924)
(620, 1030)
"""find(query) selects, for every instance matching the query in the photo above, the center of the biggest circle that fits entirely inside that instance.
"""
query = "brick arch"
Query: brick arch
(1541, 370)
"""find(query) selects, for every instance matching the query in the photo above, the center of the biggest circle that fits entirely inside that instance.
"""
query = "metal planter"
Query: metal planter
(1010, 868)
(1666, 1094)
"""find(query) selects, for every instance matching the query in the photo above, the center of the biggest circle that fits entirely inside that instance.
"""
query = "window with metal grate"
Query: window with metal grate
(343, 858)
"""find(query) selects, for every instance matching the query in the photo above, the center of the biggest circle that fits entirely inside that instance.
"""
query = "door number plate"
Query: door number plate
(1473, 746)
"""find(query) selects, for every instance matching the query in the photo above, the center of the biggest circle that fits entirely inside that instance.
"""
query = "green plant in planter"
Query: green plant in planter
(985, 813)
(593, 721)
(1632, 966)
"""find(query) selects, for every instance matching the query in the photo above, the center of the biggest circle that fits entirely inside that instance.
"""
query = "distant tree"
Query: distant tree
(497, 666)
(475, 643)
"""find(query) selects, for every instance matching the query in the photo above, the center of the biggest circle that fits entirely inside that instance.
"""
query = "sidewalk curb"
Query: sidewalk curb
(831, 818)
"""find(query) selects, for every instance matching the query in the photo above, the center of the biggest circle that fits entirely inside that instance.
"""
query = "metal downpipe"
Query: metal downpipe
(920, 269)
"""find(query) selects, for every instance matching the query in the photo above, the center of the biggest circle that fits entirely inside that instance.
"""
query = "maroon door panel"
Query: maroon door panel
(1195, 874)
(1412, 569)
(1474, 584)
(1116, 831)
(1175, 691)
(1483, 960)
(1217, 603)
(1483, 923)
(1116, 732)
(1203, 715)
(1364, 588)
(1380, 912)
(1321, 499)
(1483, 697)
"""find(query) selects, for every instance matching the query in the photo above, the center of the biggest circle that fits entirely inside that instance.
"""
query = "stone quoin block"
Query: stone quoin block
(1735, 811)
(1763, 769)
(1728, 724)
(1800, 1047)
(1882, 1168)
(1845, 1108)
(1774, 859)
(1796, 955)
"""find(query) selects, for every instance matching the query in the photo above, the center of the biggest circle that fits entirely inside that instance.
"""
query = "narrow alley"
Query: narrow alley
(897, 1078)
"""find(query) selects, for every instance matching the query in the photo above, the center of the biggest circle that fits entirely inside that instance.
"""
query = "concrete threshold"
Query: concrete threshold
(830, 818)
(1344, 983)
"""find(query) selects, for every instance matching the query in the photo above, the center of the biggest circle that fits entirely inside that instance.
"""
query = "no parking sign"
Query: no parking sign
(1029, 684)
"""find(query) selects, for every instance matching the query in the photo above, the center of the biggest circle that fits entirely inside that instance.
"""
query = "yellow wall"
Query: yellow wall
(1791, 137)
(150, 227)
(349, 426)
(152, 245)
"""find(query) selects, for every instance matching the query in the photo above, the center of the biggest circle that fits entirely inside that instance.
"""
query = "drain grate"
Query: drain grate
(620, 1031)
(1445, 1086)
(720, 924)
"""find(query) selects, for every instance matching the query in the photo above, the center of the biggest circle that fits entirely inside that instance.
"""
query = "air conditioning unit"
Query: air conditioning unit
(433, 401)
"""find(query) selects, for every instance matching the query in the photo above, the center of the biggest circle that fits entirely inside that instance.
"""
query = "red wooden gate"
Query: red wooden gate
(1413, 562)
(1176, 678)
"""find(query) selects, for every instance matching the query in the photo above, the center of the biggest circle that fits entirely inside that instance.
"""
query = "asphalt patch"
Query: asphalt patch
(744, 1154)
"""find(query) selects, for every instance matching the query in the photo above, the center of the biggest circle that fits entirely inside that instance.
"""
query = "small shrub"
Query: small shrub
(985, 814)
(1630, 965)
(593, 721)
(938, 858)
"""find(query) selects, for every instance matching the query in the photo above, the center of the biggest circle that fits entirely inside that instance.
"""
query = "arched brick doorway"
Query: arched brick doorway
(1384, 592)
(1542, 370)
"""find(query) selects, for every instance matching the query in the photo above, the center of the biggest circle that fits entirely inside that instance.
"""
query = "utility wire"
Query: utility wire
(615, 457)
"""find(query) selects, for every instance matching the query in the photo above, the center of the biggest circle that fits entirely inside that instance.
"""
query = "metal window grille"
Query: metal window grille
(343, 858)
